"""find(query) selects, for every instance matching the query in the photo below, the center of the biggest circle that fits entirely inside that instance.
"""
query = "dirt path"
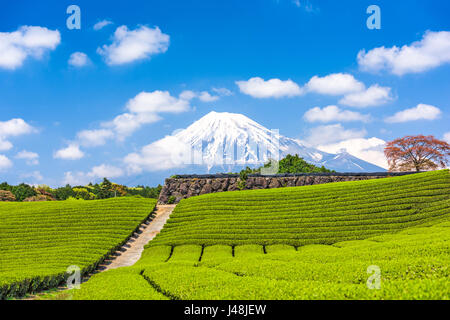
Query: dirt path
(134, 247)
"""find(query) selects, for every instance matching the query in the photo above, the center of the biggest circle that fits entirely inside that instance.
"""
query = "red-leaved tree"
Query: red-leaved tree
(417, 153)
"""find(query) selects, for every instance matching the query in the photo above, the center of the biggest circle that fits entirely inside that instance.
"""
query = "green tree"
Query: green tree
(83, 193)
(106, 190)
(5, 186)
(64, 193)
(296, 164)
(146, 192)
(23, 191)
(289, 164)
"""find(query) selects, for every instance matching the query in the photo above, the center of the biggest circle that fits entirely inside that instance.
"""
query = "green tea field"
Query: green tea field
(377, 239)
(40, 240)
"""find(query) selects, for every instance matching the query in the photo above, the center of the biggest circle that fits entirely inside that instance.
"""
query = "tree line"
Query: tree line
(103, 190)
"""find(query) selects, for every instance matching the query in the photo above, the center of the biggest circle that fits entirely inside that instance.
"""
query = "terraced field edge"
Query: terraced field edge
(18, 289)
(319, 214)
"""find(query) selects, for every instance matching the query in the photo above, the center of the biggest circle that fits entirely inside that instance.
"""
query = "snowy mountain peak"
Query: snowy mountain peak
(224, 142)
(223, 123)
(230, 138)
(217, 118)
(223, 138)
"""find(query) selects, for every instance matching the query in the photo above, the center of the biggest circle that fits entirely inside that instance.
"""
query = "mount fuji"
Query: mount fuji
(227, 142)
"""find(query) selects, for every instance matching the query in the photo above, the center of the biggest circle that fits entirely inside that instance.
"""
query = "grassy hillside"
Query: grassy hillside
(320, 214)
(40, 240)
(297, 243)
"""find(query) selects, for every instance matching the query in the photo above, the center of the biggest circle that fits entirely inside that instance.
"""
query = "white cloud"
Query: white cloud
(94, 138)
(72, 152)
(354, 91)
(187, 95)
(101, 24)
(447, 137)
(157, 102)
(273, 88)
(430, 52)
(166, 153)
(78, 59)
(127, 123)
(334, 84)
(145, 109)
(35, 175)
(222, 91)
(101, 171)
(134, 45)
(373, 96)
(5, 145)
(328, 134)
(27, 41)
(32, 158)
(207, 97)
(333, 113)
(5, 163)
(203, 96)
(370, 150)
(420, 112)
(105, 171)
(74, 179)
(12, 128)
(336, 139)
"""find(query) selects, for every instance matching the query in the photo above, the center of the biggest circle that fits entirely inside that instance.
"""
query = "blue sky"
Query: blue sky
(273, 61)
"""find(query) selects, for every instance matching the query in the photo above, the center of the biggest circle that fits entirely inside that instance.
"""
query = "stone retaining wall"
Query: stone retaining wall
(185, 186)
